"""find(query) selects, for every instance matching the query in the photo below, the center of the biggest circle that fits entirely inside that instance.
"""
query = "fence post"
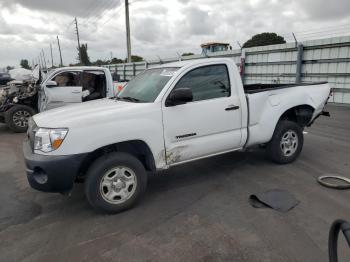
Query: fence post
(242, 65)
(124, 72)
(133, 69)
(299, 63)
(146, 65)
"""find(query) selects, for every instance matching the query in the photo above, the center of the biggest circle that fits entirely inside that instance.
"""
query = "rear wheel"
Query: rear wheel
(16, 118)
(115, 182)
(286, 143)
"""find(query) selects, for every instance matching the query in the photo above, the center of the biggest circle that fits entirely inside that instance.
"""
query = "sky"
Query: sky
(159, 29)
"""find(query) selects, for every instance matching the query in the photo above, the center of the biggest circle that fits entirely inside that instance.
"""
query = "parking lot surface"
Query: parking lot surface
(195, 212)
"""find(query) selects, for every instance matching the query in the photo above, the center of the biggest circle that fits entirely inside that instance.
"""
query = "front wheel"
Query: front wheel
(286, 143)
(16, 118)
(115, 182)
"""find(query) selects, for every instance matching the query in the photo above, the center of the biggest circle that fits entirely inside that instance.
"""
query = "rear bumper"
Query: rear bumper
(51, 173)
(323, 113)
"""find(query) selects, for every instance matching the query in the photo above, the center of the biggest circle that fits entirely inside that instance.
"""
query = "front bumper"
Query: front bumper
(51, 173)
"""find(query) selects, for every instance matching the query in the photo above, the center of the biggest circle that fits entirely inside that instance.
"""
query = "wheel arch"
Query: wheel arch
(137, 148)
(301, 114)
(262, 131)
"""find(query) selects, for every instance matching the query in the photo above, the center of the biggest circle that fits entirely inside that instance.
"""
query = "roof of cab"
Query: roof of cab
(192, 62)
(213, 43)
(80, 68)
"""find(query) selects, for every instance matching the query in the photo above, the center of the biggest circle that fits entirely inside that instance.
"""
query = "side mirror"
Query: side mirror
(51, 84)
(179, 96)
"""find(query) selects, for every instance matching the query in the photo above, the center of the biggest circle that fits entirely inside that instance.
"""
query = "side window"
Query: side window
(207, 82)
(68, 79)
(95, 83)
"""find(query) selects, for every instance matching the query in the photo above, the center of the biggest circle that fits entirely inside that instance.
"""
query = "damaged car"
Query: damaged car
(5, 78)
(18, 102)
(63, 86)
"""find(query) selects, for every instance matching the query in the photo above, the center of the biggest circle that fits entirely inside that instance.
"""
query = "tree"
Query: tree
(264, 39)
(8, 68)
(99, 62)
(187, 54)
(85, 60)
(116, 60)
(136, 58)
(24, 63)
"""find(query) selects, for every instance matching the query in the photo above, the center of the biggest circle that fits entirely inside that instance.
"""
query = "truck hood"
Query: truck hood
(87, 113)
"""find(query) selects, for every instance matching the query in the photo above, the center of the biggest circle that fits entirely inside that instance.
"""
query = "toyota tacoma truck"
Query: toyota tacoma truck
(165, 116)
(63, 86)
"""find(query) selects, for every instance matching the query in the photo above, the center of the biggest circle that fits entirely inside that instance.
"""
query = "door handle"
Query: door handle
(75, 92)
(231, 107)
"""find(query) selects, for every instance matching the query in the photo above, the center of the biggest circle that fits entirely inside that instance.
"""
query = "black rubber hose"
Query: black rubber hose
(333, 238)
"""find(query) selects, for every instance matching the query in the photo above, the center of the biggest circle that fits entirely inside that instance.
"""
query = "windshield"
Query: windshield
(146, 86)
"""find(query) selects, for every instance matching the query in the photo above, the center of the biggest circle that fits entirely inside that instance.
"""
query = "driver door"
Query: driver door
(62, 89)
(208, 125)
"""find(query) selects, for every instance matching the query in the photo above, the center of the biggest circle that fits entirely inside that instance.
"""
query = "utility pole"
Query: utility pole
(59, 49)
(128, 43)
(41, 61)
(77, 31)
(42, 50)
(51, 55)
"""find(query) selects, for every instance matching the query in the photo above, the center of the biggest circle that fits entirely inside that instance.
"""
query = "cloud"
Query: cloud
(157, 27)
(198, 21)
(325, 9)
(80, 8)
(149, 30)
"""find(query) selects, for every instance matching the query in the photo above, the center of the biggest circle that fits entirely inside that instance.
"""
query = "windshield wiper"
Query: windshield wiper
(128, 98)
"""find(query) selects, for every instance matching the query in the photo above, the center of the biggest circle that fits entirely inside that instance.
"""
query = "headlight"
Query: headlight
(47, 140)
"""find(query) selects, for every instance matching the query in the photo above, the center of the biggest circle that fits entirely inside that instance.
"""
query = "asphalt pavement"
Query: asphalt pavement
(195, 212)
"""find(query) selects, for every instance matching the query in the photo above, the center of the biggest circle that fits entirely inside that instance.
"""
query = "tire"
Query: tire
(109, 187)
(286, 143)
(16, 118)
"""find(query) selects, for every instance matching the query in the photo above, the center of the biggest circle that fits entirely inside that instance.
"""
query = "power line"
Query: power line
(135, 1)
(96, 17)
(119, 9)
(89, 9)
(327, 27)
(94, 8)
(324, 31)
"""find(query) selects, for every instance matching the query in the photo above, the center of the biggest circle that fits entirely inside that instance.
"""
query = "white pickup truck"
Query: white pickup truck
(165, 116)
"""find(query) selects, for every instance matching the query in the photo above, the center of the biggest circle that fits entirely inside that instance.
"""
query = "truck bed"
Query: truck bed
(267, 102)
(257, 88)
